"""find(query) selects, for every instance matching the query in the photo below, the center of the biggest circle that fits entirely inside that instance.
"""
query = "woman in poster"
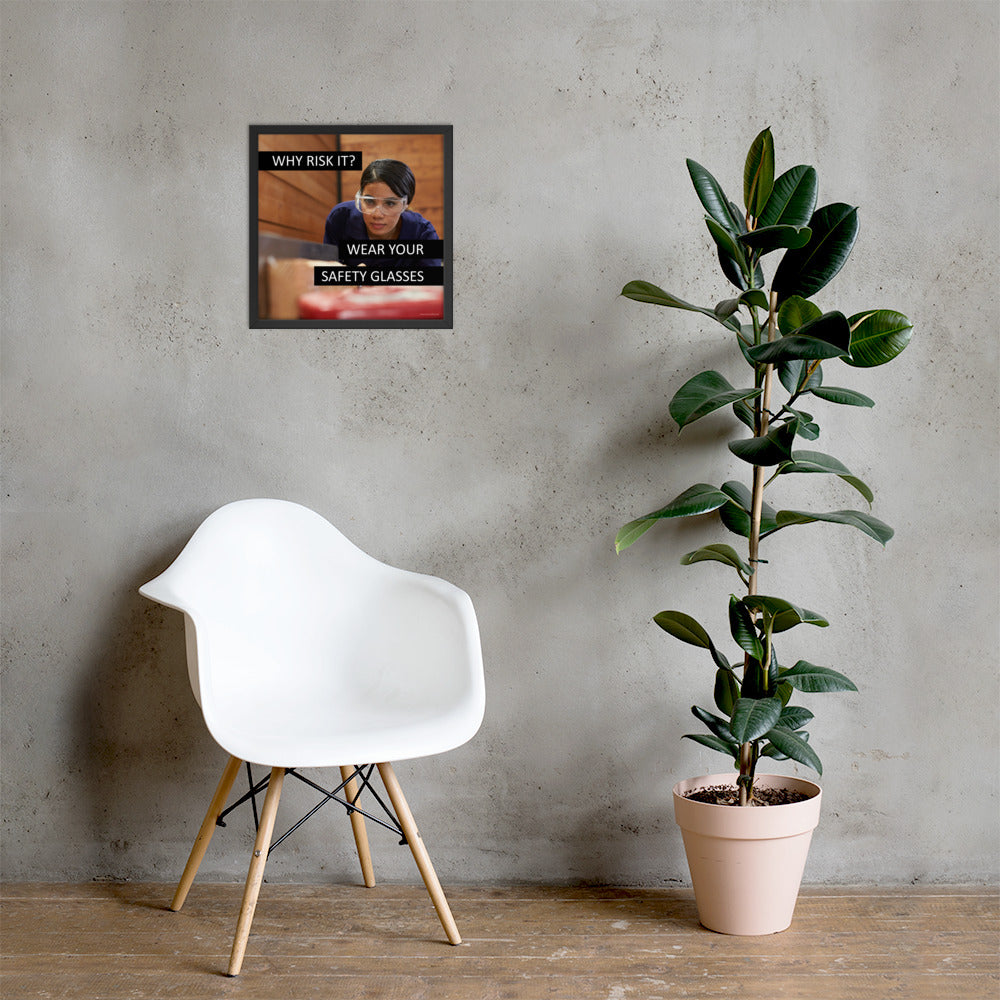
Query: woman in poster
(379, 210)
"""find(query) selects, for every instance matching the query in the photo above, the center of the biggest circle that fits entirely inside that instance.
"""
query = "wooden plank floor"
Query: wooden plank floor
(110, 941)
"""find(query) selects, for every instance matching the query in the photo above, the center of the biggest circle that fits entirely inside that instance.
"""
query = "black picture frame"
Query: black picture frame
(287, 210)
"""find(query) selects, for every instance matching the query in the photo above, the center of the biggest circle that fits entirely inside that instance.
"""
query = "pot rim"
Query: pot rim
(765, 823)
(810, 788)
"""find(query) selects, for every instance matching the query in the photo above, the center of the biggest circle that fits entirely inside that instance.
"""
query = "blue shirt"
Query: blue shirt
(345, 222)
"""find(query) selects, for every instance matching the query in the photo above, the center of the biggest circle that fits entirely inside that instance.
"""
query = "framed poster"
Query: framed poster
(350, 226)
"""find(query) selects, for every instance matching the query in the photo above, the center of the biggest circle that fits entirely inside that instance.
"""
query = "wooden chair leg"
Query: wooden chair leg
(420, 854)
(358, 826)
(256, 873)
(204, 837)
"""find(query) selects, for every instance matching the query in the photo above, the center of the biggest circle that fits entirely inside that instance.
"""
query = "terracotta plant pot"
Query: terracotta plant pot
(746, 862)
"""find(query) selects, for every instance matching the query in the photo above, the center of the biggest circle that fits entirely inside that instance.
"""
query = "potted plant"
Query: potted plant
(786, 339)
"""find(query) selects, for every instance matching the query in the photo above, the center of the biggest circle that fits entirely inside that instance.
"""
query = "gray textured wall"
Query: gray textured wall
(505, 453)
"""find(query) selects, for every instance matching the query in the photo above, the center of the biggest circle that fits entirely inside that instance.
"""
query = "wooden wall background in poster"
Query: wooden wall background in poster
(295, 203)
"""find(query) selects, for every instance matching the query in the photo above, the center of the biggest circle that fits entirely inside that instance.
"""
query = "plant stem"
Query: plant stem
(772, 326)
(763, 420)
(757, 506)
(746, 773)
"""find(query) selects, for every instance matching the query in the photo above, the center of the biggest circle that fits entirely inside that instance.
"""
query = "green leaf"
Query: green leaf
(777, 607)
(738, 493)
(736, 514)
(770, 750)
(794, 746)
(753, 717)
(631, 532)
(795, 312)
(683, 627)
(698, 499)
(737, 520)
(733, 271)
(878, 337)
(754, 297)
(846, 397)
(806, 270)
(784, 620)
(645, 291)
(731, 749)
(724, 309)
(772, 448)
(718, 553)
(795, 347)
(816, 461)
(770, 238)
(755, 685)
(743, 630)
(744, 414)
(758, 173)
(862, 487)
(703, 394)
(713, 198)
(793, 198)
(829, 336)
(794, 717)
(720, 661)
(872, 526)
(720, 727)
(727, 691)
(793, 375)
(728, 245)
(815, 680)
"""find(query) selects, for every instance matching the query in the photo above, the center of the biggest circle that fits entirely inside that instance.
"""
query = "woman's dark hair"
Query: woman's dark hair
(395, 173)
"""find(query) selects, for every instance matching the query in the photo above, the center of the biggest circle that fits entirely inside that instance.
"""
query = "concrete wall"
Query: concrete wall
(505, 453)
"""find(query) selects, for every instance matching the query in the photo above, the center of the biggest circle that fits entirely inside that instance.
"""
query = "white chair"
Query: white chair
(303, 651)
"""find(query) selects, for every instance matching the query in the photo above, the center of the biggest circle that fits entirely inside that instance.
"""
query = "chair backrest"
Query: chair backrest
(249, 553)
(275, 573)
(276, 599)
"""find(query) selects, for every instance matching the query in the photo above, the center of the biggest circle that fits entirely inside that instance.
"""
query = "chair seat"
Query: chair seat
(303, 730)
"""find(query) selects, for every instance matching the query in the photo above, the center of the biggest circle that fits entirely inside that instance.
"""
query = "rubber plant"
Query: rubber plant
(787, 341)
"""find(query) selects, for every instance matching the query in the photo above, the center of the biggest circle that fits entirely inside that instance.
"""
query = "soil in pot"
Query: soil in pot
(729, 795)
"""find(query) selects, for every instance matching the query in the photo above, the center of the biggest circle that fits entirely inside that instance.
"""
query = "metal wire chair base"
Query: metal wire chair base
(362, 775)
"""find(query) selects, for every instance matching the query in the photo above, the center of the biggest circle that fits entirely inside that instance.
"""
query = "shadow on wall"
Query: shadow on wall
(627, 822)
(147, 751)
